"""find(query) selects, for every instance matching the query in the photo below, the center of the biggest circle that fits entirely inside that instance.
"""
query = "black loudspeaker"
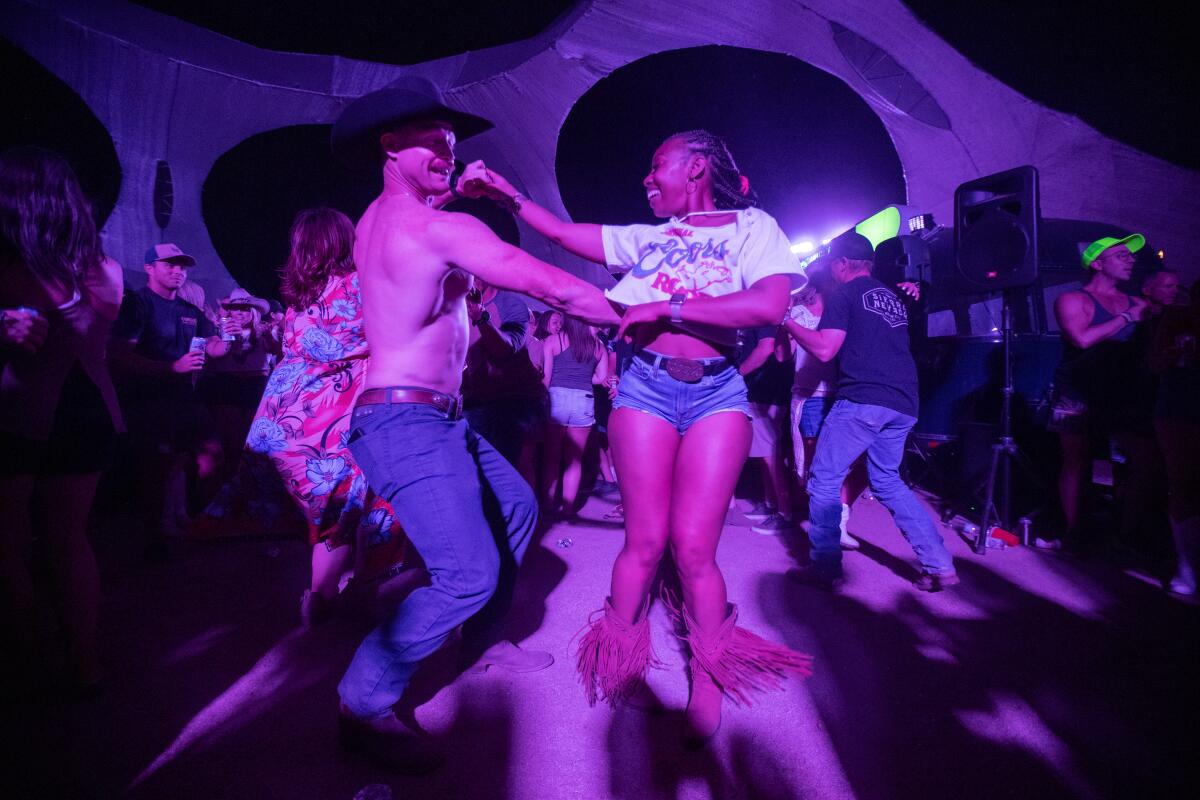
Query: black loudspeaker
(996, 229)
(903, 258)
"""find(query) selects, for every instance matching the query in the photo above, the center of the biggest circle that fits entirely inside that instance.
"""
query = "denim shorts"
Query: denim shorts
(648, 388)
(572, 408)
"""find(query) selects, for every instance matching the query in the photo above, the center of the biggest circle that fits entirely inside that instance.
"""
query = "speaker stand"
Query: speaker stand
(1005, 451)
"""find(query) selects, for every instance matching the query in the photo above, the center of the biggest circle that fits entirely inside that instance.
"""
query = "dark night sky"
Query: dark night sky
(390, 31)
(1125, 68)
(1128, 69)
(42, 110)
(817, 173)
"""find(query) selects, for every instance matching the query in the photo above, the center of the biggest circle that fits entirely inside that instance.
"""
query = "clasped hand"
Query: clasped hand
(642, 314)
(23, 329)
(478, 181)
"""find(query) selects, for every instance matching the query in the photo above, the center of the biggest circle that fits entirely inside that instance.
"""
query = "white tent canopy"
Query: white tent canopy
(168, 90)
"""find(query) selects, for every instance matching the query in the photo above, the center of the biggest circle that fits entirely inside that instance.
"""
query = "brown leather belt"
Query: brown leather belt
(687, 370)
(450, 405)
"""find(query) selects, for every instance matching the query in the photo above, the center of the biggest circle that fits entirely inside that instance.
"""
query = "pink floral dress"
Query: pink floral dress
(301, 425)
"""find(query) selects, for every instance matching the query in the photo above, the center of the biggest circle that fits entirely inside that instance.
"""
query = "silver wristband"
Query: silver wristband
(676, 306)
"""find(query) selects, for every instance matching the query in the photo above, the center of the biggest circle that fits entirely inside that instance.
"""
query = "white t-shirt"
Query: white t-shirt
(814, 377)
(660, 260)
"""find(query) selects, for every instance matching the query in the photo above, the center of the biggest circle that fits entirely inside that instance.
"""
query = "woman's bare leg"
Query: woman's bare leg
(552, 456)
(643, 449)
(573, 444)
(778, 481)
(328, 567)
(62, 505)
(606, 466)
(17, 601)
(706, 470)
(710, 458)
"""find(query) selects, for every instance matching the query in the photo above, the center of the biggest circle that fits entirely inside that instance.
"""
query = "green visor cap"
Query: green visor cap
(1134, 242)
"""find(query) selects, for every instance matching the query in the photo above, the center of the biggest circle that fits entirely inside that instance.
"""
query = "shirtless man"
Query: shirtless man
(457, 498)
(1095, 383)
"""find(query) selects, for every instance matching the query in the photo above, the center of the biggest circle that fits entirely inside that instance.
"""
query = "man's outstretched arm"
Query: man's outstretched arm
(470, 245)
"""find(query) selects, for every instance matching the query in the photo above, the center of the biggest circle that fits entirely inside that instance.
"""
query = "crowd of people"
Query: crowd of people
(1128, 379)
(408, 397)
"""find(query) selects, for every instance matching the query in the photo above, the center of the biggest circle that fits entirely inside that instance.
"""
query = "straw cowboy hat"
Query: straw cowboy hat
(240, 298)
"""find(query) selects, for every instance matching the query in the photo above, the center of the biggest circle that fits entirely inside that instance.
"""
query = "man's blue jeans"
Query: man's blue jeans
(468, 513)
(850, 430)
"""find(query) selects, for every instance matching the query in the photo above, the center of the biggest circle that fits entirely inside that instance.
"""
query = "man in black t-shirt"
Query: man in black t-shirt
(152, 356)
(865, 325)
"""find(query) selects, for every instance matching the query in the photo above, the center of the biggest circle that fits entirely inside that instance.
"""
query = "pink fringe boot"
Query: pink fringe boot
(734, 662)
(741, 662)
(613, 655)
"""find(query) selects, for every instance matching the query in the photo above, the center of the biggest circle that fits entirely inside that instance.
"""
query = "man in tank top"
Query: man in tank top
(1095, 379)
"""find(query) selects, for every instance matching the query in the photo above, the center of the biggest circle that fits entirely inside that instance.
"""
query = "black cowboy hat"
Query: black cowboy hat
(355, 135)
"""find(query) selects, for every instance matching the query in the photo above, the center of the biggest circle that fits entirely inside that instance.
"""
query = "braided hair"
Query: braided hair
(731, 189)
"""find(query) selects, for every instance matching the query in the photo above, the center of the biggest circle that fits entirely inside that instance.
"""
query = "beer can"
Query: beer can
(1025, 525)
(198, 343)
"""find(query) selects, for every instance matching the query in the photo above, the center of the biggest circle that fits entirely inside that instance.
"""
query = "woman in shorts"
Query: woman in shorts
(574, 362)
(680, 427)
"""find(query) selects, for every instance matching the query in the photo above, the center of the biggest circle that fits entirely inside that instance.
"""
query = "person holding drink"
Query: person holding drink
(233, 383)
(154, 354)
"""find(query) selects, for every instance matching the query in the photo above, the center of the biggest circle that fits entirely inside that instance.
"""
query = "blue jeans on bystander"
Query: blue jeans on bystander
(850, 430)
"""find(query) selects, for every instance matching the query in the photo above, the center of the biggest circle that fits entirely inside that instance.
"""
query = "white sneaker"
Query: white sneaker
(774, 524)
(758, 512)
(1183, 582)
(1179, 586)
(846, 541)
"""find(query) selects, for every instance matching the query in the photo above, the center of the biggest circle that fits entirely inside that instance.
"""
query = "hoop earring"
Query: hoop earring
(690, 186)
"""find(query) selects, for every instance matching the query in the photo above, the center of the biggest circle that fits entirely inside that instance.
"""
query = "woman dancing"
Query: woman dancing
(680, 428)
(59, 419)
(299, 431)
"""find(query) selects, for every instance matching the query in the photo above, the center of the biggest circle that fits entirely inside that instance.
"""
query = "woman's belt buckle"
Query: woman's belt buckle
(685, 370)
